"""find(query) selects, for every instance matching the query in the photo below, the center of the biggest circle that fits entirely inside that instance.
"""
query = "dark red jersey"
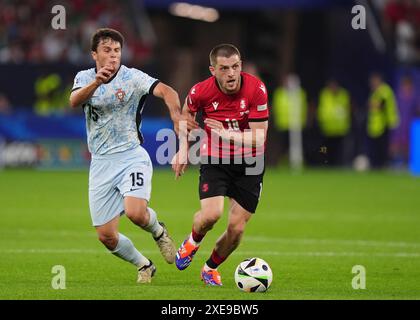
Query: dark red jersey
(236, 111)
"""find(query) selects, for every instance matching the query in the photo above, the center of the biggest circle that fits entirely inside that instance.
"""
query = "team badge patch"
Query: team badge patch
(120, 94)
(262, 107)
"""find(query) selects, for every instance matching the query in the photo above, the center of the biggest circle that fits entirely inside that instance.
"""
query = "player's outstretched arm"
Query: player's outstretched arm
(79, 96)
(171, 98)
(180, 160)
(258, 134)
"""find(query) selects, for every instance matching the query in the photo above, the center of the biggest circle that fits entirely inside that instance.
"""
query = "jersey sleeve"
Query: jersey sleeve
(192, 99)
(258, 110)
(81, 80)
(145, 83)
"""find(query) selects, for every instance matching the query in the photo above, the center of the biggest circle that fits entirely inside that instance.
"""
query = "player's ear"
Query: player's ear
(212, 70)
(94, 55)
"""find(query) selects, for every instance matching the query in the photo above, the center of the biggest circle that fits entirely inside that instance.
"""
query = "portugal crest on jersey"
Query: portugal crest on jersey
(120, 94)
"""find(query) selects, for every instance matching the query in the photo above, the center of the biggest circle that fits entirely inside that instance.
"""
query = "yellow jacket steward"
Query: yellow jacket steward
(385, 113)
(282, 106)
(334, 112)
(47, 93)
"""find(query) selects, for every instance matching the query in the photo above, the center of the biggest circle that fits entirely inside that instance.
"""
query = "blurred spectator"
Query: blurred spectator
(289, 99)
(334, 119)
(401, 23)
(49, 97)
(382, 116)
(5, 106)
(408, 104)
(26, 37)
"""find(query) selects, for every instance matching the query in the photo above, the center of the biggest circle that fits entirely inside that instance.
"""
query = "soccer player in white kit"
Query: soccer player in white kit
(112, 97)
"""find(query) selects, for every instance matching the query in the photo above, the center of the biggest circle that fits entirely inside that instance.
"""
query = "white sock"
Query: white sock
(193, 241)
(126, 251)
(153, 226)
(206, 267)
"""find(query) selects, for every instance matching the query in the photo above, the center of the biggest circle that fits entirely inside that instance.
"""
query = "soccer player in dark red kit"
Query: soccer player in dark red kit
(234, 107)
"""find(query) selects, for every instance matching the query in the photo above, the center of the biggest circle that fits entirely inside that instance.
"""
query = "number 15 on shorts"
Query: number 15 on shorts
(136, 179)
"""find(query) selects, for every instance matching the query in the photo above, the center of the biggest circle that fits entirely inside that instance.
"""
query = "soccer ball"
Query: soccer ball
(253, 275)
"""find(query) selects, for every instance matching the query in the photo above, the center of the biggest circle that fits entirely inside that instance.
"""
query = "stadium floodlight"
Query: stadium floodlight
(186, 10)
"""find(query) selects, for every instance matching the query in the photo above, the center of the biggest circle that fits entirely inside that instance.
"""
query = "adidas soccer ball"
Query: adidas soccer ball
(253, 275)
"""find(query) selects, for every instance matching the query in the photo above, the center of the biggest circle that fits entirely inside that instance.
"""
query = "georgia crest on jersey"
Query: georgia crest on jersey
(113, 113)
(235, 111)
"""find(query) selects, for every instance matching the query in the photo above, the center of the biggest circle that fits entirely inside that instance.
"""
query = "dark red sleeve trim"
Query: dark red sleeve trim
(258, 120)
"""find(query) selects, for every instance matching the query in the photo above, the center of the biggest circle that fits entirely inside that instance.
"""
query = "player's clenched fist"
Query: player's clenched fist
(104, 74)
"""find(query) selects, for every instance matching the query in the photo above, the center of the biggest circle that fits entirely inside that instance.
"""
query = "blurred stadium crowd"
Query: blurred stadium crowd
(356, 93)
(27, 36)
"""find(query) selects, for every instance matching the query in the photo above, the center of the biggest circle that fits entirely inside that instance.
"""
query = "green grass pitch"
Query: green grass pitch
(312, 228)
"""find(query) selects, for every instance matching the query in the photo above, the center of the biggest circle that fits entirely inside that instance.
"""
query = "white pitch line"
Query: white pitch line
(352, 242)
(352, 217)
(247, 253)
(372, 243)
(52, 251)
(336, 254)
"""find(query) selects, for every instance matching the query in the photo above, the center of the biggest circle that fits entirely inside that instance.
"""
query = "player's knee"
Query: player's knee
(208, 217)
(236, 231)
(109, 240)
(138, 214)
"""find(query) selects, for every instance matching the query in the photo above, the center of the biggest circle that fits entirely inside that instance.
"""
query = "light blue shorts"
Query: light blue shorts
(113, 177)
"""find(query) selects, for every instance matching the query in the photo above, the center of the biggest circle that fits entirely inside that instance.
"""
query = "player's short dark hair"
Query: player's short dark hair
(223, 50)
(105, 33)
